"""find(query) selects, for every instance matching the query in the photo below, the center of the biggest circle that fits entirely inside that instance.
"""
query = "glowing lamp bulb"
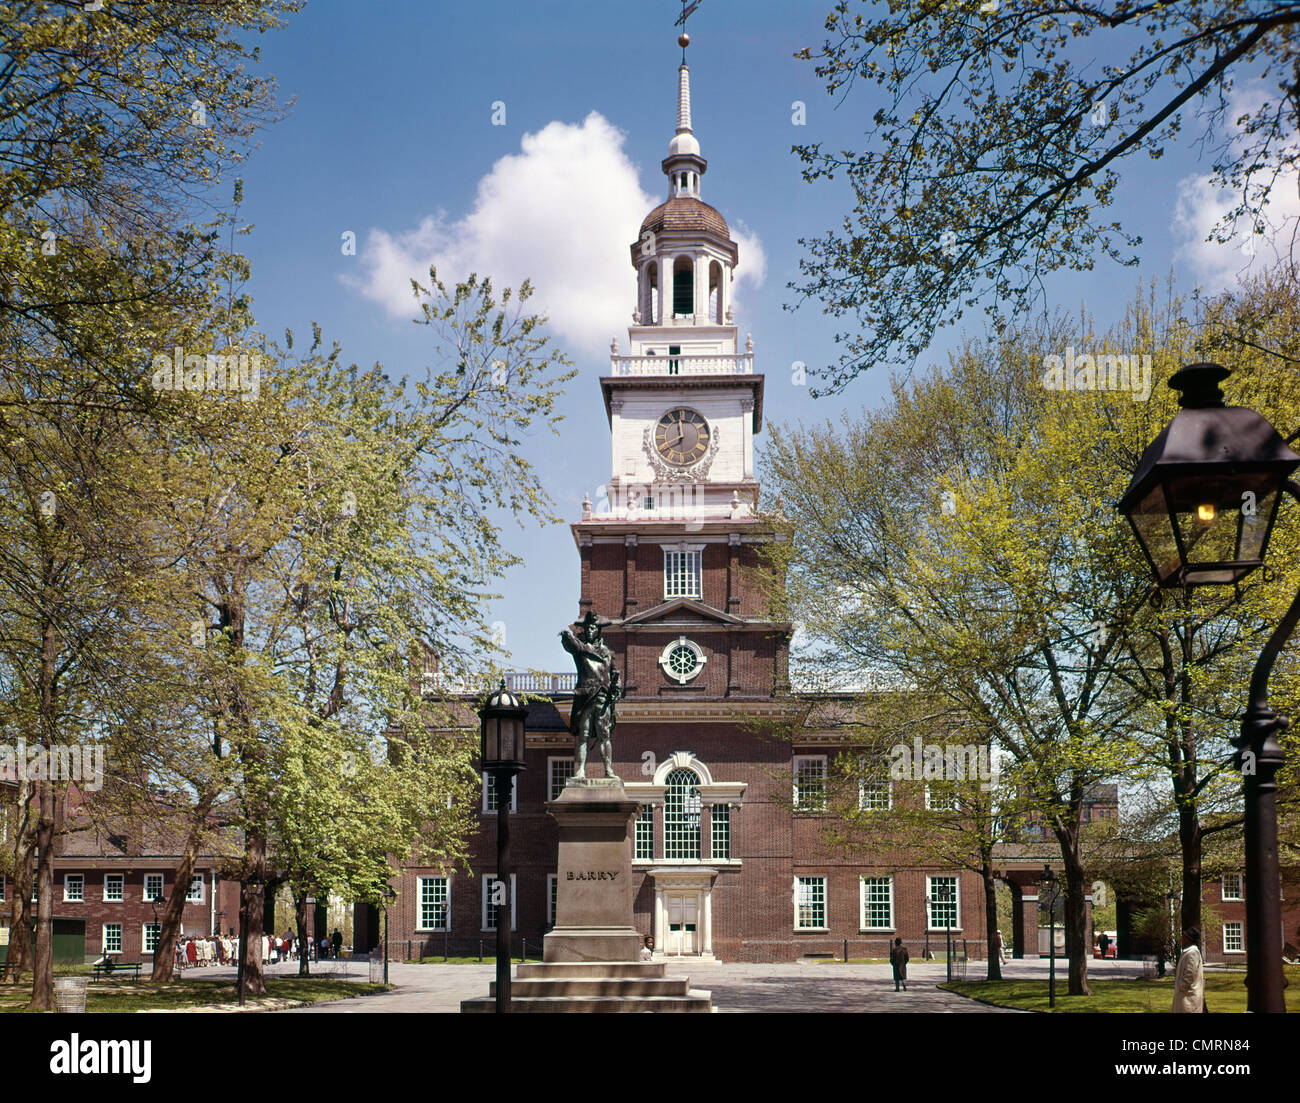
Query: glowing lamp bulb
(1205, 513)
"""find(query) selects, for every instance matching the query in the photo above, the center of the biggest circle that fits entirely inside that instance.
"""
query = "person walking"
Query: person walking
(1103, 944)
(1189, 979)
(898, 958)
(336, 940)
(1002, 950)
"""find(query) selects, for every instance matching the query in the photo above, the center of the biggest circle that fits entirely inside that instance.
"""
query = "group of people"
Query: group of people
(224, 949)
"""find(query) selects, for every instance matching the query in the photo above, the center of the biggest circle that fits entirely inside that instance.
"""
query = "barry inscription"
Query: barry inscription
(598, 875)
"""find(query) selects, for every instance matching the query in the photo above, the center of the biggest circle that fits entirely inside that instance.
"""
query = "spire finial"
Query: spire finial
(683, 39)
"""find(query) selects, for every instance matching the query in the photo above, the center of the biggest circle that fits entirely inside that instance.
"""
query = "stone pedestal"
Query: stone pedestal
(591, 960)
(593, 907)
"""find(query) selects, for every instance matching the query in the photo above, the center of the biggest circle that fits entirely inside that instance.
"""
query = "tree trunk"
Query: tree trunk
(1076, 916)
(304, 946)
(164, 957)
(254, 978)
(991, 918)
(19, 959)
(43, 938)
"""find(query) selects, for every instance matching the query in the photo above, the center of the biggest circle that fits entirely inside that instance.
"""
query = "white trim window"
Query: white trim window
(682, 821)
(682, 572)
(433, 896)
(937, 911)
(112, 938)
(877, 903)
(150, 936)
(810, 783)
(558, 771)
(74, 888)
(114, 887)
(195, 895)
(720, 831)
(1232, 887)
(941, 797)
(489, 910)
(875, 795)
(490, 793)
(1233, 941)
(153, 886)
(552, 898)
(810, 904)
(645, 834)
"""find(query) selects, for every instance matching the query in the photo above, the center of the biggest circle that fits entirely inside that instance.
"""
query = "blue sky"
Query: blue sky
(391, 136)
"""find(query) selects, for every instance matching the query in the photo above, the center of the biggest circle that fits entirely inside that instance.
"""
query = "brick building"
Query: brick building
(107, 876)
(728, 853)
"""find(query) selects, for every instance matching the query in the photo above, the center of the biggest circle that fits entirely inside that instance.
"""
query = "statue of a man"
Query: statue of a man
(595, 696)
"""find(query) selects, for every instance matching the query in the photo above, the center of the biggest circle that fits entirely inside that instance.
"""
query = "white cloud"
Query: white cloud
(561, 213)
(1201, 207)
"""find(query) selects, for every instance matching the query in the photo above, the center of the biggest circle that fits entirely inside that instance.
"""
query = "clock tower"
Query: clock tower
(667, 561)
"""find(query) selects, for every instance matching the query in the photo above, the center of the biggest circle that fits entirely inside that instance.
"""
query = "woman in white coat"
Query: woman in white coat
(1189, 980)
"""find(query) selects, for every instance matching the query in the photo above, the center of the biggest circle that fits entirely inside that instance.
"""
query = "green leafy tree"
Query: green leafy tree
(997, 142)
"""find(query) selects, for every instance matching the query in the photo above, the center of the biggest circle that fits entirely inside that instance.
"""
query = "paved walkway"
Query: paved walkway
(735, 988)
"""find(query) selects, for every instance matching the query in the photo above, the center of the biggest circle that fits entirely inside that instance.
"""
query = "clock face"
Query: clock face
(682, 437)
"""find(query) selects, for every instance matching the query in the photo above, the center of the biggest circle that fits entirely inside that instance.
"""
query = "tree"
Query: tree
(333, 527)
(964, 537)
(954, 820)
(999, 142)
(127, 113)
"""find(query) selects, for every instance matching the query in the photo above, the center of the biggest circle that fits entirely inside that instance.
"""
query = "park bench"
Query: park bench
(102, 969)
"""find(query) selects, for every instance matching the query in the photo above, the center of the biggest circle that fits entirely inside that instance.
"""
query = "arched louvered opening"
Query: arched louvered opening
(715, 292)
(683, 286)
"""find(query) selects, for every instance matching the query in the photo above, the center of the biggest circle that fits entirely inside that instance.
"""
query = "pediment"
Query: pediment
(681, 610)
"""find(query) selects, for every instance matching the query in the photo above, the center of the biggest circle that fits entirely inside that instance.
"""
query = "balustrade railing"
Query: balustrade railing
(730, 364)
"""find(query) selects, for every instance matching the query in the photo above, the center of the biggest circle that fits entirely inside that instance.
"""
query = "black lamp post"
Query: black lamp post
(1049, 902)
(389, 897)
(251, 884)
(501, 754)
(1202, 503)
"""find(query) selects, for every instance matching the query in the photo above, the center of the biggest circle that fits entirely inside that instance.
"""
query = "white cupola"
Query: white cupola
(684, 256)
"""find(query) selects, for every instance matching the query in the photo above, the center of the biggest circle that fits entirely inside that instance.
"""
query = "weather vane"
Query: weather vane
(683, 39)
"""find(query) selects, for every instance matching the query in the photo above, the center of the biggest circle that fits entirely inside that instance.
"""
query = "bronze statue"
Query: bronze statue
(595, 696)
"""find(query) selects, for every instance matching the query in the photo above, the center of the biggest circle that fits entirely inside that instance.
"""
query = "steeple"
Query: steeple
(684, 166)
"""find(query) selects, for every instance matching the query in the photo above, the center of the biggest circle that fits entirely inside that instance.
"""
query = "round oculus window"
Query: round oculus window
(682, 661)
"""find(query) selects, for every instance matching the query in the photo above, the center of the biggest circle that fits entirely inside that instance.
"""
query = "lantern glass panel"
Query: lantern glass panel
(512, 739)
(1155, 530)
(491, 739)
(1223, 522)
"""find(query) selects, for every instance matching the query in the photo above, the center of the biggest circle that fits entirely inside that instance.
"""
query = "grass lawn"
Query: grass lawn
(127, 997)
(1224, 994)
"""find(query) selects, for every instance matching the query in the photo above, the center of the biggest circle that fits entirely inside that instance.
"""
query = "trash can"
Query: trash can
(70, 995)
(376, 967)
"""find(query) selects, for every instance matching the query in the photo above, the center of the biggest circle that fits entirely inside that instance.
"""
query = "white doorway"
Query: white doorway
(683, 923)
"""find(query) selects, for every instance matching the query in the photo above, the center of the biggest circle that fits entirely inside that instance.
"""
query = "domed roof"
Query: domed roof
(688, 215)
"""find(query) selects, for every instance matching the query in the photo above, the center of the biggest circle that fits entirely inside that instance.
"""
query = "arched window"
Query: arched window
(683, 286)
(682, 816)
